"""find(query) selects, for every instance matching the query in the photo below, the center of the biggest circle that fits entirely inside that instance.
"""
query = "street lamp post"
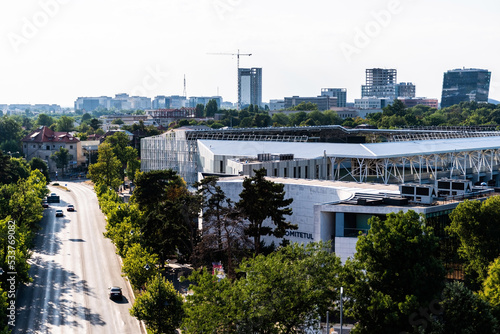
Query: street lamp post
(341, 292)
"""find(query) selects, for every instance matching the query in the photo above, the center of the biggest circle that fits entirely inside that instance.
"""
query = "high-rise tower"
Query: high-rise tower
(467, 84)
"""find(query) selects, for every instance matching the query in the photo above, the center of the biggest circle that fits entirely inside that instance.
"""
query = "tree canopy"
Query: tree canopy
(262, 199)
(160, 306)
(477, 225)
(395, 271)
(283, 292)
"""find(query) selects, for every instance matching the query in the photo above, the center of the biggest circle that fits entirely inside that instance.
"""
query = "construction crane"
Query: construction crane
(238, 54)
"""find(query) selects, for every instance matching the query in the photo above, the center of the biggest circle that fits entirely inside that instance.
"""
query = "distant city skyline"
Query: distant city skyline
(54, 51)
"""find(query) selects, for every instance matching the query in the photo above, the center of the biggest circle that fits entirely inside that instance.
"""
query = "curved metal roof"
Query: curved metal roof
(366, 151)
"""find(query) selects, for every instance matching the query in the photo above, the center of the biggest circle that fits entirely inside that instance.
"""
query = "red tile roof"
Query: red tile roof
(46, 135)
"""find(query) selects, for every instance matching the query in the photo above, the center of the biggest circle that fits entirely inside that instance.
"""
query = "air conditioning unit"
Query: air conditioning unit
(423, 193)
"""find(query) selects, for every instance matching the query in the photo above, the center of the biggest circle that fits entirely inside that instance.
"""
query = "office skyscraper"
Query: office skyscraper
(250, 86)
(467, 84)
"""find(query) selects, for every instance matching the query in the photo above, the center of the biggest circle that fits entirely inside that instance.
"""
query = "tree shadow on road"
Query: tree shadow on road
(54, 298)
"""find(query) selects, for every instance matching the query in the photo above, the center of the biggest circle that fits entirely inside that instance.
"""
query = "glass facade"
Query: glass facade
(464, 85)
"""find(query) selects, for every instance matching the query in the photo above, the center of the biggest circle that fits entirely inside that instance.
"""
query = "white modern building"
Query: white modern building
(337, 187)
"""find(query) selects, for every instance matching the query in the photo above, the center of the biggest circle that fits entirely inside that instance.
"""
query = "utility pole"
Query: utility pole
(238, 54)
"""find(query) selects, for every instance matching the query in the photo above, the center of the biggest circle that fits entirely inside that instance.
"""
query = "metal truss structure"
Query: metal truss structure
(475, 165)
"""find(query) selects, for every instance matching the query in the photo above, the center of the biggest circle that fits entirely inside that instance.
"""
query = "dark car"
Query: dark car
(71, 207)
(45, 204)
(59, 213)
(115, 293)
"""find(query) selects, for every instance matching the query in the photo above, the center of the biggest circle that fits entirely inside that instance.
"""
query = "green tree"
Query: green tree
(95, 124)
(211, 108)
(45, 120)
(118, 121)
(477, 226)
(491, 288)
(10, 131)
(262, 199)
(305, 106)
(160, 306)
(200, 110)
(17, 169)
(223, 236)
(61, 158)
(283, 292)
(462, 311)
(65, 124)
(395, 271)
(139, 265)
(170, 213)
(133, 165)
(38, 163)
(86, 118)
(119, 141)
(280, 119)
(396, 108)
(211, 307)
(107, 169)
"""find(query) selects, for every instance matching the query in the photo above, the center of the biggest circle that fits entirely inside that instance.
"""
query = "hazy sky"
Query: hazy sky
(53, 51)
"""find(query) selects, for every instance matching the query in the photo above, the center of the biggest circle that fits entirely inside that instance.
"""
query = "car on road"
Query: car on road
(53, 194)
(70, 207)
(115, 293)
(45, 204)
(59, 213)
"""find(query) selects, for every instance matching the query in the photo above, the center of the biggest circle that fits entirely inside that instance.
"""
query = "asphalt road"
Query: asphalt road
(72, 267)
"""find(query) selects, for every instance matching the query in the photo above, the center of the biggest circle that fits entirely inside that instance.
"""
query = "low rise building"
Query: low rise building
(44, 142)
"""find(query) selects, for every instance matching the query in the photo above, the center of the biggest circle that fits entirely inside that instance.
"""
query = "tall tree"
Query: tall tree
(139, 265)
(61, 158)
(65, 124)
(262, 199)
(45, 120)
(160, 307)
(10, 130)
(170, 213)
(107, 169)
(491, 288)
(38, 163)
(119, 141)
(200, 110)
(95, 123)
(223, 236)
(461, 311)
(395, 271)
(211, 108)
(477, 225)
(283, 292)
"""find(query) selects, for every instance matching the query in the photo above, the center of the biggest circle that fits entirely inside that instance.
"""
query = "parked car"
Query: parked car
(115, 293)
(71, 207)
(59, 213)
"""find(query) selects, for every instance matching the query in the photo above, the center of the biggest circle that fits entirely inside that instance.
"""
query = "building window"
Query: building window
(25, 146)
(285, 172)
(317, 172)
(34, 146)
(70, 147)
(47, 147)
(306, 172)
(299, 172)
(275, 172)
(294, 172)
(222, 166)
